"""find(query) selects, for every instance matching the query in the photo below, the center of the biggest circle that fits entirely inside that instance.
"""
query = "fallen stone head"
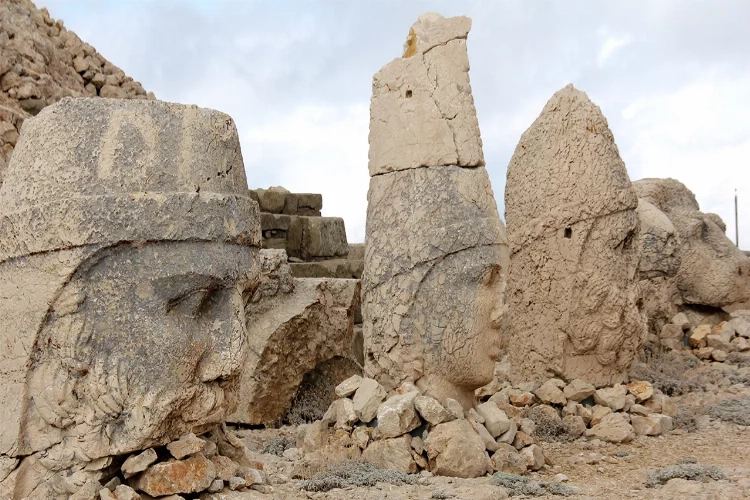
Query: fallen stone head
(128, 249)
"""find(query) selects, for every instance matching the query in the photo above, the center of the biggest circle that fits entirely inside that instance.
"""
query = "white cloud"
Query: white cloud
(611, 45)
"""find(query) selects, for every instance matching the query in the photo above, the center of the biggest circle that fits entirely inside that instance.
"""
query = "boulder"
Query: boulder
(613, 428)
(393, 454)
(192, 475)
(341, 413)
(611, 397)
(432, 411)
(719, 342)
(397, 415)
(533, 456)
(549, 392)
(348, 386)
(185, 446)
(507, 459)
(436, 251)
(741, 326)
(574, 425)
(367, 399)
(642, 390)
(454, 449)
(495, 419)
(699, 337)
(719, 355)
(489, 442)
(573, 232)
(651, 425)
(138, 463)
(578, 390)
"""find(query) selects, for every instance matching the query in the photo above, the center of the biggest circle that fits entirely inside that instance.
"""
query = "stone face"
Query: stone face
(495, 419)
(578, 390)
(397, 415)
(394, 454)
(454, 449)
(129, 280)
(659, 242)
(422, 111)
(436, 251)
(292, 328)
(712, 270)
(367, 399)
(573, 230)
(613, 428)
(179, 476)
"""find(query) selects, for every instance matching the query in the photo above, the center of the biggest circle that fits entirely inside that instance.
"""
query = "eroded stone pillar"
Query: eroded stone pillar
(573, 231)
(127, 246)
(435, 247)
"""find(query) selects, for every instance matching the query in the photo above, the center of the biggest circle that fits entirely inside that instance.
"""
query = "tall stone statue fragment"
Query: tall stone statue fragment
(127, 249)
(573, 229)
(712, 271)
(435, 247)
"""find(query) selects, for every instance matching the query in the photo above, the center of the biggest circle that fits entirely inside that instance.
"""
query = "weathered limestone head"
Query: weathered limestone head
(572, 225)
(435, 248)
(659, 243)
(127, 244)
(712, 270)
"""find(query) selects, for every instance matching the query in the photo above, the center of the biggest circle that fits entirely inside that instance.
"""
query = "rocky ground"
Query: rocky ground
(596, 469)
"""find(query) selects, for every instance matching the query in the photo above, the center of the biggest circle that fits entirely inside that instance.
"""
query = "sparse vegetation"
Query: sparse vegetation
(691, 472)
(278, 445)
(548, 427)
(520, 485)
(666, 370)
(736, 411)
(352, 473)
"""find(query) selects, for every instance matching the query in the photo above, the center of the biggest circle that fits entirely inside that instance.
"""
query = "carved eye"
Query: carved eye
(490, 275)
(192, 303)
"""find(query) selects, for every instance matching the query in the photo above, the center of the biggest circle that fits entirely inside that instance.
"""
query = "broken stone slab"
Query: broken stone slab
(455, 450)
(521, 398)
(495, 419)
(394, 454)
(348, 386)
(510, 435)
(341, 413)
(613, 428)
(578, 390)
(185, 446)
(641, 390)
(719, 342)
(397, 415)
(699, 337)
(574, 425)
(651, 425)
(138, 463)
(741, 325)
(585, 235)
(427, 93)
(432, 411)
(549, 392)
(315, 238)
(489, 442)
(611, 397)
(291, 330)
(191, 475)
(133, 261)
(367, 399)
(598, 412)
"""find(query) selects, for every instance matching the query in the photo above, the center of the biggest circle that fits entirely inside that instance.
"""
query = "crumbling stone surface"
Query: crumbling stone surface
(712, 270)
(422, 111)
(291, 329)
(121, 319)
(191, 475)
(573, 230)
(454, 449)
(40, 63)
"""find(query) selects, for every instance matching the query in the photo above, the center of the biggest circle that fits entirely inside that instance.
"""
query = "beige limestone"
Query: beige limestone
(422, 111)
(454, 449)
(573, 230)
(394, 454)
(436, 251)
(191, 475)
(293, 324)
(127, 248)
(712, 270)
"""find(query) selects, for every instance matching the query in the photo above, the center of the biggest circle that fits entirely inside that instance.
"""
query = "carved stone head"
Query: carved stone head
(127, 246)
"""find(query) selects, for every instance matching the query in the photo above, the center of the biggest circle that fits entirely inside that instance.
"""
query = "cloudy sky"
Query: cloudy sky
(672, 77)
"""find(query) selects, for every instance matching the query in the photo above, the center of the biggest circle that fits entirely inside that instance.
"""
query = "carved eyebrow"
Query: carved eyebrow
(178, 285)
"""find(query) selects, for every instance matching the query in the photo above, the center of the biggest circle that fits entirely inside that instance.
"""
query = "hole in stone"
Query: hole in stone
(408, 94)
(568, 232)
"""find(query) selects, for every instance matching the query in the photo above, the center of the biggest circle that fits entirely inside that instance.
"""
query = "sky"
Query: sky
(671, 76)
